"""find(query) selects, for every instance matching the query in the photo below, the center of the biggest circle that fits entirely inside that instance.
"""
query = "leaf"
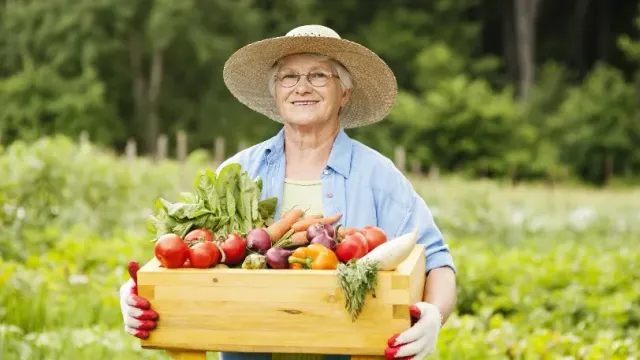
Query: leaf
(211, 222)
(227, 178)
(223, 221)
(160, 223)
(237, 225)
(258, 182)
(254, 209)
(157, 226)
(183, 228)
(181, 210)
(188, 197)
(267, 207)
(246, 184)
(204, 185)
(247, 201)
(231, 203)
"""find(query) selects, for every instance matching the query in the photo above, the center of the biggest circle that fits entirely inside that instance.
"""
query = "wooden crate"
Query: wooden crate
(281, 311)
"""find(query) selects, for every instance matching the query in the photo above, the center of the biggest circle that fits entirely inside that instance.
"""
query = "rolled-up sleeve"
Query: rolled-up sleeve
(437, 250)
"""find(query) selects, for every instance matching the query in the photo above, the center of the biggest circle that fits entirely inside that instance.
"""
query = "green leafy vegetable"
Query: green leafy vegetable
(225, 203)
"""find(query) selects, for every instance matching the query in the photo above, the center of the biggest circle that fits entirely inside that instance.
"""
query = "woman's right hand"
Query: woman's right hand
(137, 315)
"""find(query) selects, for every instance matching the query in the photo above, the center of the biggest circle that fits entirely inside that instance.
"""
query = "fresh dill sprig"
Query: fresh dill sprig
(357, 279)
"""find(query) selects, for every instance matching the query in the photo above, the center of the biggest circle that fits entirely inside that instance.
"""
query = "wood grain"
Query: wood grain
(187, 355)
(281, 311)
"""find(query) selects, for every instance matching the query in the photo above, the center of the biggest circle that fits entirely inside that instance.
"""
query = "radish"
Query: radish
(392, 253)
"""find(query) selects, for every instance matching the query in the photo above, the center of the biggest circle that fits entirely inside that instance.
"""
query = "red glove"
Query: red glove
(420, 339)
(136, 311)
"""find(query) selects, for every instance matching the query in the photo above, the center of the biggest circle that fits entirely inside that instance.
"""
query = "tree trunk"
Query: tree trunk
(155, 81)
(509, 41)
(146, 93)
(139, 88)
(604, 30)
(525, 20)
(608, 169)
(577, 35)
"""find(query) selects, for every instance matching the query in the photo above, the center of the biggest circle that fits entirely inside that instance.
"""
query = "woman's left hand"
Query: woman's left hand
(420, 340)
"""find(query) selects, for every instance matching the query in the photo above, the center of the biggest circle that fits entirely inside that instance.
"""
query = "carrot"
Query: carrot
(303, 225)
(280, 227)
(299, 238)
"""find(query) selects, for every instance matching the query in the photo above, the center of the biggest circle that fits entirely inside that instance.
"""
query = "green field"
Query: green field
(542, 274)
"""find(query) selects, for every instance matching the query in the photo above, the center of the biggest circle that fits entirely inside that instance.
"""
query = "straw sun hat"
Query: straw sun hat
(375, 87)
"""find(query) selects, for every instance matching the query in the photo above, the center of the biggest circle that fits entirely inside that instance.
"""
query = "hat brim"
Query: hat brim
(375, 86)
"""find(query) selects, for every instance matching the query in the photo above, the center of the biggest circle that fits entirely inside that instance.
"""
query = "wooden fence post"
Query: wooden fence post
(434, 174)
(181, 142)
(84, 137)
(416, 167)
(219, 150)
(242, 145)
(162, 147)
(132, 149)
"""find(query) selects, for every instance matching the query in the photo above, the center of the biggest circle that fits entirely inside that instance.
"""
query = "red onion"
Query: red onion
(316, 229)
(277, 257)
(258, 240)
(330, 230)
(325, 240)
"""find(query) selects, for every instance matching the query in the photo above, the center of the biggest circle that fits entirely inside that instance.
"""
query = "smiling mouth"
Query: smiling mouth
(304, 103)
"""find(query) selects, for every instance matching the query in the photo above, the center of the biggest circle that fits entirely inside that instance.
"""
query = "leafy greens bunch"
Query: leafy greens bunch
(226, 203)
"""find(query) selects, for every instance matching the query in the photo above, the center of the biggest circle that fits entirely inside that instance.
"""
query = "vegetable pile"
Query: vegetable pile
(225, 224)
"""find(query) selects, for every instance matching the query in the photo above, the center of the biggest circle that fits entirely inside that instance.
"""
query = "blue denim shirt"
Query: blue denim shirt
(360, 183)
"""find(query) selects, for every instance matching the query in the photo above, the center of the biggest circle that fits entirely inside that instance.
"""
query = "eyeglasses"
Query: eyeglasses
(316, 78)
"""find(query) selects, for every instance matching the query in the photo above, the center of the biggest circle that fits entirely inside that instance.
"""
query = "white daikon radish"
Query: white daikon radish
(392, 253)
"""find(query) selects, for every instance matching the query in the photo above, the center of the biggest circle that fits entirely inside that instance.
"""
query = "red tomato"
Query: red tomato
(198, 235)
(353, 246)
(171, 251)
(234, 248)
(374, 235)
(203, 255)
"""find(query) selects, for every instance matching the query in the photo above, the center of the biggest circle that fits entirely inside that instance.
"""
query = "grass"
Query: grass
(542, 274)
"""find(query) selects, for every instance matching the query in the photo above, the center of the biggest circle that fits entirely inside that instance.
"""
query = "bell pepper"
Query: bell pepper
(314, 256)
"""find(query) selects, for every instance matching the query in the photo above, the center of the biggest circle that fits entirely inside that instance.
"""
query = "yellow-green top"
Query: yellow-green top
(303, 194)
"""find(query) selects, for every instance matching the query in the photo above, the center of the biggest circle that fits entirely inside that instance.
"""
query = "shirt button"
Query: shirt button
(326, 172)
(329, 195)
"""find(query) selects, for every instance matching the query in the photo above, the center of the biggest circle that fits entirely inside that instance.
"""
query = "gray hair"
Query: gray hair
(345, 77)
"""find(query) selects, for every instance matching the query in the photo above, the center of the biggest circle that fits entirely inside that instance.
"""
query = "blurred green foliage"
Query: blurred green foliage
(120, 69)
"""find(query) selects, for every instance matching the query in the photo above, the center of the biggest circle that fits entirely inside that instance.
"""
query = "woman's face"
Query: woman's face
(304, 104)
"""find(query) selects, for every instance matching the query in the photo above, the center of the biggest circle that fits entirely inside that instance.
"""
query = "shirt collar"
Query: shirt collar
(339, 159)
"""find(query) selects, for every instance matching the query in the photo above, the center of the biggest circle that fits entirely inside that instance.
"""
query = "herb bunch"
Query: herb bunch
(357, 279)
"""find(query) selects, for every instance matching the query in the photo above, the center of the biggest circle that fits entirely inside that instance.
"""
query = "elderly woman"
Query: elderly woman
(317, 84)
